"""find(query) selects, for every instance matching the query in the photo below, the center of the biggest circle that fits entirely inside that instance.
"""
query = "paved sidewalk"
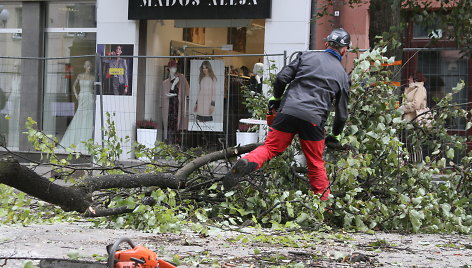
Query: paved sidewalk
(79, 240)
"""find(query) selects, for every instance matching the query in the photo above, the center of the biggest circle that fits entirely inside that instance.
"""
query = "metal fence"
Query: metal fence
(199, 106)
(205, 108)
(75, 94)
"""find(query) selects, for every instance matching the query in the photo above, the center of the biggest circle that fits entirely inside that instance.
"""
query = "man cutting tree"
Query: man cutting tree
(316, 81)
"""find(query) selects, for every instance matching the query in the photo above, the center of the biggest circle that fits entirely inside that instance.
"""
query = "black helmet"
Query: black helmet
(340, 37)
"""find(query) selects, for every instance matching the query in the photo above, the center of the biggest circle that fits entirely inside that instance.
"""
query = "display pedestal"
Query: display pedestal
(243, 138)
(146, 137)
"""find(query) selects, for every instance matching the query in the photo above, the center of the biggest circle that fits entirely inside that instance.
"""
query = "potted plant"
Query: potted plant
(246, 134)
(146, 132)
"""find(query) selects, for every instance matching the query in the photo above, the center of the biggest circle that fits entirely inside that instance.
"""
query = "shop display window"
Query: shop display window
(10, 72)
(208, 104)
(69, 98)
(443, 69)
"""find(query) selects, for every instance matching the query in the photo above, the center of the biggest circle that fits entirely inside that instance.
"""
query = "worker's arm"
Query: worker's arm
(342, 113)
(285, 76)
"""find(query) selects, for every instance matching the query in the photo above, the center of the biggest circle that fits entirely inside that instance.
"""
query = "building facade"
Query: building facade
(49, 49)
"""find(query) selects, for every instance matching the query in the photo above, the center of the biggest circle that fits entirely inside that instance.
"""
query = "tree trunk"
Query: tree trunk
(385, 21)
(22, 178)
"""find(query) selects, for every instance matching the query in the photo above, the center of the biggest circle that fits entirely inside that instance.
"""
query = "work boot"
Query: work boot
(240, 169)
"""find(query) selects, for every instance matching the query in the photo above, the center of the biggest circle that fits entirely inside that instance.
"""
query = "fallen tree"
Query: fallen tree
(378, 185)
(79, 197)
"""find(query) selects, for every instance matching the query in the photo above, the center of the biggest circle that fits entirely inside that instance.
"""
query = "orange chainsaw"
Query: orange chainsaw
(136, 257)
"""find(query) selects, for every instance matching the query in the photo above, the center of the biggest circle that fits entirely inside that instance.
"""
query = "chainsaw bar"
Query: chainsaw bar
(63, 263)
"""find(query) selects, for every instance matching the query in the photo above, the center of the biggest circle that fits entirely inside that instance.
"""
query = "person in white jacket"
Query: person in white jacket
(413, 105)
(415, 97)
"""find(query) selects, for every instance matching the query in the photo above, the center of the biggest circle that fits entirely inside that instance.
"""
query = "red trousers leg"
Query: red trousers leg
(319, 182)
(276, 142)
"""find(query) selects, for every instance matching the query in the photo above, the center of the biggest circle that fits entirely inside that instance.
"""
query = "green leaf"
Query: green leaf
(28, 264)
(450, 153)
(302, 217)
(364, 65)
(416, 218)
(468, 125)
(446, 209)
(289, 209)
(230, 193)
(73, 255)
(213, 186)
(404, 199)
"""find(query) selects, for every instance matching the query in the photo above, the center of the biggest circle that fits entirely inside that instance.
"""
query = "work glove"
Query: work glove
(332, 142)
(274, 103)
(332, 139)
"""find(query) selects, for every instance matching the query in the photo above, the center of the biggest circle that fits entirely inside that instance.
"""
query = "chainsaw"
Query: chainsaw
(135, 257)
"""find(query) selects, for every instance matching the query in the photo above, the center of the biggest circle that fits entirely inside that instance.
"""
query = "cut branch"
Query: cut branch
(161, 180)
(183, 173)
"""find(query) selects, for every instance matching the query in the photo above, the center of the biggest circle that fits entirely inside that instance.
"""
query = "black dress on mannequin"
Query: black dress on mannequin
(172, 129)
(254, 85)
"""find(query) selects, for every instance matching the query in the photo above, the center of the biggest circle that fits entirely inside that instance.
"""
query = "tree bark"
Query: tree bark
(22, 178)
(161, 180)
(385, 21)
(193, 165)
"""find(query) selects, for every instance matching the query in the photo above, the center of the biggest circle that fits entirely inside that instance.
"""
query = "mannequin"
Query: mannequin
(14, 108)
(81, 127)
(174, 103)
(256, 80)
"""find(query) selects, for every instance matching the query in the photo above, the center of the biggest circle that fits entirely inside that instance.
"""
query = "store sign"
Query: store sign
(198, 9)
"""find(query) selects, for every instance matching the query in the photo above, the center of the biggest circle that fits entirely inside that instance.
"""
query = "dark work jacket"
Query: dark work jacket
(317, 80)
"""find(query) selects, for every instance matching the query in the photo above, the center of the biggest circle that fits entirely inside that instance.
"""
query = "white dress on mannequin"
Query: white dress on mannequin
(13, 105)
(81, 127)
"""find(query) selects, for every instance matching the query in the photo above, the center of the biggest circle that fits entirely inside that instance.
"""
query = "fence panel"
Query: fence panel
(205, 108)
(196, 101)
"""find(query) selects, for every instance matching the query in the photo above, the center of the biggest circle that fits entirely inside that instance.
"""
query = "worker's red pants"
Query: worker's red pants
(311, 137)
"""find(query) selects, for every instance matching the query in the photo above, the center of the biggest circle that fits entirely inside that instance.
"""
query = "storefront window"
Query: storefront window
(422, 32)
(207, 105)
(71, 15)
(443, 69)
(69, 99)
(10, 76)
